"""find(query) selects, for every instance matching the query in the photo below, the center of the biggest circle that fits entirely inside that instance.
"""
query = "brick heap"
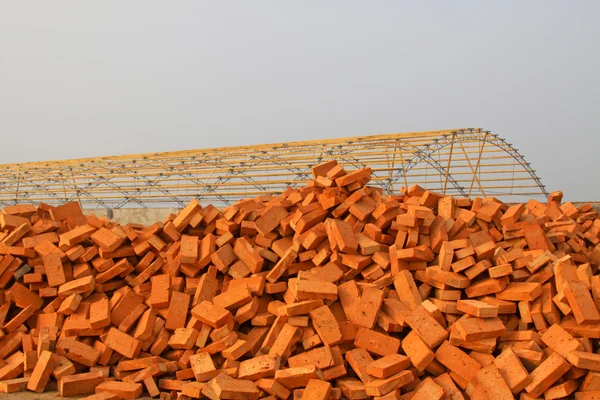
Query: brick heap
(325, 292)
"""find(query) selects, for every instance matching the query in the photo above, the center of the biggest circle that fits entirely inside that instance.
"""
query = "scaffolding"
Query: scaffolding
(462, 162)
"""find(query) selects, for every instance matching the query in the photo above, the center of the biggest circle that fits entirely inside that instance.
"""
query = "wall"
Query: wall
(144, 216)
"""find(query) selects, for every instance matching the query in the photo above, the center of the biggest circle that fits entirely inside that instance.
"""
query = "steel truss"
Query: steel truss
(462, 162)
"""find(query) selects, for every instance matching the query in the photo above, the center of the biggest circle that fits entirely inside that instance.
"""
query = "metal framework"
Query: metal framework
(462, 162)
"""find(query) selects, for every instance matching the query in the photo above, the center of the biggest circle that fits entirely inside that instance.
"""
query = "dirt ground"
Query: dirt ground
(42, 396)
(31, 396)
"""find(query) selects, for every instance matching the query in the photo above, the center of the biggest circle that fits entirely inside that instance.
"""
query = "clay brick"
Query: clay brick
(248, 255)
(489, 383)
(548, 372)
(417, 350)
(99, 312)
(477, 308)
(78, 286)
(78, 384)
(314, 289)
(15, 365)
(189, 249)
(211, 315)
(124, 390)
(123, 343)
(479, 328)
(259, 367)
(359, 360)
(106, 239)
(293, 378)
(560, 341)
(178, 310)
(326, 325)
(581, 302)
(225, 387)
(457, 361)
(447, 384)
(317, 390)
(203, 367)
(376, 343)
(428, 389)
(381, 387)
(368, 308)
(283, 344)
(426, 326)
(273, 388)
(70, 304)
(270, 219)
(14, 385)
(23, 297)
(16, 234)
(233, 298)
(388, 365)
(42, 371)
(183, 338)
(585, 360)
(407, 289)
(320, 357)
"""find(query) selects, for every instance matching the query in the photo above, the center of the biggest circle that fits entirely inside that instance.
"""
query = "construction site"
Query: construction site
(423, 265)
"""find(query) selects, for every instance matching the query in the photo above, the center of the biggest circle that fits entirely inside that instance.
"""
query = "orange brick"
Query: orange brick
(359, 360)
(376, 343)
(457, 361)
(233, 298)
(479, 328)
(14, 385)
(259, 367)
(388, 365)
(407, 289)
(314, 289)
(123, 343)
(203, 367)
(223, 386)
(273, 388)
(189, 249)
(477, 308)
(106, 239)
(124, 390)
(270, 219)
(178, 310)
(42, 371)
(560, 341)
(426, 327)
(428, 389)
(381, 387)
(548, 372)
(317, 390)
(297, 377)
(581, 302)
(368, 308)
(326, 325)
(78, 384)
(211, 315)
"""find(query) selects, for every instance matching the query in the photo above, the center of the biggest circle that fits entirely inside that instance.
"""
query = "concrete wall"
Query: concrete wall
(144, 216)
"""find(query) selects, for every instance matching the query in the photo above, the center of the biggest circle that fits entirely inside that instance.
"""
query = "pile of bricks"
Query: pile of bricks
(330, 291)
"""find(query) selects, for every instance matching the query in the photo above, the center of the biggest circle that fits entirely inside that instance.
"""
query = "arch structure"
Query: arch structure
(462, 162)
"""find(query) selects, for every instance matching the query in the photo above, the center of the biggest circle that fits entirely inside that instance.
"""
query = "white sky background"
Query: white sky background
(90, 78)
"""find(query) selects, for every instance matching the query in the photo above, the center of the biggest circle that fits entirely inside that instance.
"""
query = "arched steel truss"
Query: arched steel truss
(462, 162)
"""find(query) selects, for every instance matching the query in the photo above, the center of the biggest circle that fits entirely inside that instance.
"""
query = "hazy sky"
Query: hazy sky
(89, 78)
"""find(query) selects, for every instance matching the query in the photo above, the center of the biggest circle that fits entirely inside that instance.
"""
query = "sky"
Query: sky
(85, 79)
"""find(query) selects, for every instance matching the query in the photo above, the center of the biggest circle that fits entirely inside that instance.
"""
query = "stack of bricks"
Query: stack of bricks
(330, 291)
